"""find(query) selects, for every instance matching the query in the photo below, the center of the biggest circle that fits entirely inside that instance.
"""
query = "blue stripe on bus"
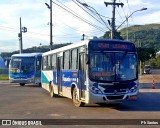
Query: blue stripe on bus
(21, 75)
(69, 77)
(55, 77)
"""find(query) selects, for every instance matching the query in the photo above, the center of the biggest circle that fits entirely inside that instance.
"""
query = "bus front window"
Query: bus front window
(125, 66)
(22, 65)
(105, 66)
(101, 66)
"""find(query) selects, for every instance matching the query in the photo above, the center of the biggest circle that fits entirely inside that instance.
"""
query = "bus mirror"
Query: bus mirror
(87, 59)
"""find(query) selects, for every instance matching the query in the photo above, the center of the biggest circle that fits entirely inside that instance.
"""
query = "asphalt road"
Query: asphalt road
(33, 102)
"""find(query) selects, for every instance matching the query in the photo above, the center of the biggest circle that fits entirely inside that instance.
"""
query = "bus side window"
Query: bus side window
(74, 59)
(49, 62)
(54, 61)
(44, 62)
(66, 59)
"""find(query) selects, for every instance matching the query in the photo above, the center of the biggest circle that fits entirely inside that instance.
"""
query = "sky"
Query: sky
(67, 27)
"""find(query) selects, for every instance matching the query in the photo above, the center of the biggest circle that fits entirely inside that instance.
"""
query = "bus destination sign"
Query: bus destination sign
(122, 46)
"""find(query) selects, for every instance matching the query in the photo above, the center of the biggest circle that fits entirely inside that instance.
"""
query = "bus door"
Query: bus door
(59, 74)
(38, 69)
(82, 75)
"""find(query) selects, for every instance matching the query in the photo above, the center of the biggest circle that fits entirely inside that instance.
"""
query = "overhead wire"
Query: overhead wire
(130, 11)
(100, 21)
(78, 16)
(119, 14)
(87, 12)
(70, 27)
(35, 33)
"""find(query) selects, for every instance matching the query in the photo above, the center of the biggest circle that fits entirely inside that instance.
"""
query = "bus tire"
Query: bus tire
(22, 84)
(39, 84)
(51, 90)
(76, 102)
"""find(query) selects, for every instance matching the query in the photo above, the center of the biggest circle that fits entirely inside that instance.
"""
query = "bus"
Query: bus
(95, 71)
(25, 68)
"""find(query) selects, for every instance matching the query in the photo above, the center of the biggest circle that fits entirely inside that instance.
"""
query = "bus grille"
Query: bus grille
(115, 97)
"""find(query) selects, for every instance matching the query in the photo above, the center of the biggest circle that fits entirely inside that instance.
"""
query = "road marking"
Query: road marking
(149, 90)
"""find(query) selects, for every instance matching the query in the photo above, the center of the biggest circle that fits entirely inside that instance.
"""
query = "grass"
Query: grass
(4, 77)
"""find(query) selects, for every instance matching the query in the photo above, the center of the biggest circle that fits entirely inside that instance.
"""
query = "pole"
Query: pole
(113, 16)
(20, 38)
(113, 20)
(51, 43)
(130, 16)
(127, 26)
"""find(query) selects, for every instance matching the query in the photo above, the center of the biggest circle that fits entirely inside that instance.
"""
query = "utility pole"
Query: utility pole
(51, 43)
(113, 16)
(50, 8)
(20, 38)
(22, 29)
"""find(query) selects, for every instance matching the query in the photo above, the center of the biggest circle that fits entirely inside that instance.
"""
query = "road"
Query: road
(32, 102)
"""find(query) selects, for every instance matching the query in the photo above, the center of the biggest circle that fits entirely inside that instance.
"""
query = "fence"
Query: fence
(4, 74)
(4, 71)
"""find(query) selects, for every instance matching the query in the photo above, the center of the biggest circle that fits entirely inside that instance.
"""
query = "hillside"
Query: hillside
(40, 49)
(146, 36)
(143, 35)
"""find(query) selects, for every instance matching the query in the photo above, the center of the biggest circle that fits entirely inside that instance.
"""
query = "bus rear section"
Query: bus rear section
(25, 68)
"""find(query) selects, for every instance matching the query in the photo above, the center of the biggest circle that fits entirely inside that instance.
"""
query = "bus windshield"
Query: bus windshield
(22, 65)
(118, 66)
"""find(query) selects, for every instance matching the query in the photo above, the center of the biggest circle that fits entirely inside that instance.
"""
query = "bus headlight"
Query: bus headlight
(133, 89)
(95, 90)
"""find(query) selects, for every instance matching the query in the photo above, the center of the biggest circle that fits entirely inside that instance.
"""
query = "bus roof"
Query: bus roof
(85, 42)
(27, 55)
(66, 47)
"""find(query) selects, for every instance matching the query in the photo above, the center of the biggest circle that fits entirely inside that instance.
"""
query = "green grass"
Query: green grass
(4, 77)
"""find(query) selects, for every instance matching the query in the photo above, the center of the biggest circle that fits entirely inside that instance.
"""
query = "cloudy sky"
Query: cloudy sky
(67, 27)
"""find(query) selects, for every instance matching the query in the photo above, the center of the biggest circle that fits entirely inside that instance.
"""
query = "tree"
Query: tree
(117, 35)
(144, 54)
(158, 61)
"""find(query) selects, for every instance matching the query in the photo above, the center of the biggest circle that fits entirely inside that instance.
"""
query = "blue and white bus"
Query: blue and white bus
(25, 68)
(92, 71)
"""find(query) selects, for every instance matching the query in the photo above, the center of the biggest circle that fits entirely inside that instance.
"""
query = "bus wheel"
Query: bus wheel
(76, 102)
(22, 84)
(51, 90)
(40, 85)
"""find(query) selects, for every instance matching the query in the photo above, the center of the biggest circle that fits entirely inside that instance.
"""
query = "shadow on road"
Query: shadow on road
(147, 101)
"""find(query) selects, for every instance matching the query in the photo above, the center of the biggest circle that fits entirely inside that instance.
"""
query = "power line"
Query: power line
(130, 11)
(78, 16)
(100, 21)
(41, 34)
(119, 14)
(66, 25)
(87, 11)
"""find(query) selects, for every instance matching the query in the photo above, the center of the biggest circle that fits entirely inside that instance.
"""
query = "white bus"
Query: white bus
(25, 68)
(92, 71)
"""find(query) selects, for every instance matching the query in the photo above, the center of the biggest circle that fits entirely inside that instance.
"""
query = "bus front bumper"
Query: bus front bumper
(111, 98)
(26, 81)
